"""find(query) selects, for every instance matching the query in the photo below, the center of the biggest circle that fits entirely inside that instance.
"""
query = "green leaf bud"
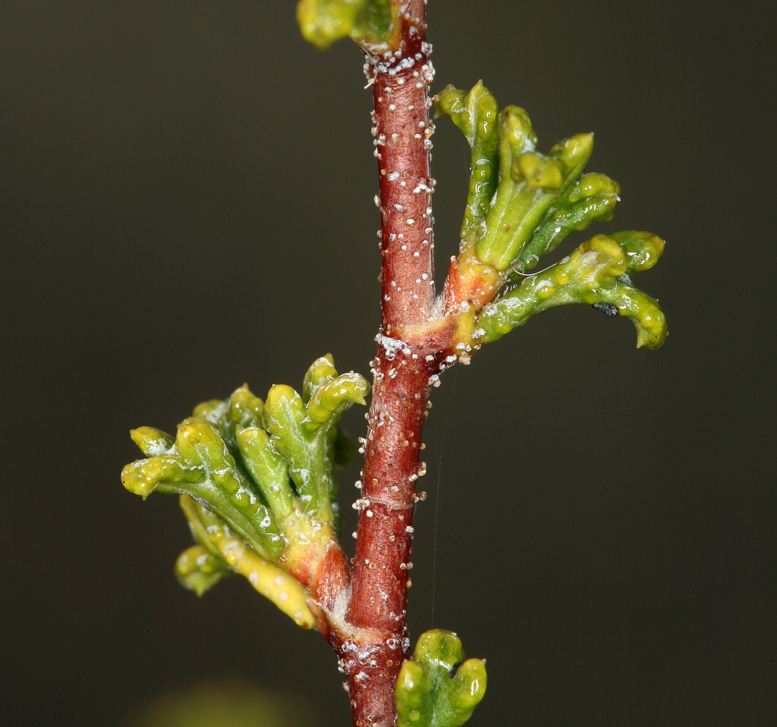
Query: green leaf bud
(198, 570)
(592, 185)
(245, 409)
(332, 398)
(540, 172)
(216, 413)
(199, 464)
(320, 372)
(452, 101)
(477, 115)
(642, 248)
(210, 410)
(574, 153)
(437, 688)
(595, 274)
(516, 135)
(322, 22)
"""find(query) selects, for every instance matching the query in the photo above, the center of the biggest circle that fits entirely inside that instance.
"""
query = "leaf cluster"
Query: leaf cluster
(256, 476)
(522, 204)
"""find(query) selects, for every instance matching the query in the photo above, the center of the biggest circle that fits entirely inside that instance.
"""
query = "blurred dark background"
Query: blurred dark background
(186, 205)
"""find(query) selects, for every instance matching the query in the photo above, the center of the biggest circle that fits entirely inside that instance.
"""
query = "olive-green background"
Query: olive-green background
(186, 205)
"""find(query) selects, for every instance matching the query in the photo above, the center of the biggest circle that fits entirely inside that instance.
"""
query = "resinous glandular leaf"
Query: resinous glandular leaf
(523, 204)
(263, 476)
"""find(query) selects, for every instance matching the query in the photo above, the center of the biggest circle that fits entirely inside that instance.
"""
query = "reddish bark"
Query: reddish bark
(382, 562)
(372, 654)
(402, 143)
(366, 622)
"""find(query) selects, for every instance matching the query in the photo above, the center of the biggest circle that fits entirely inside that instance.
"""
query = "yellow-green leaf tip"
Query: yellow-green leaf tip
(323, 22)
(199, 570)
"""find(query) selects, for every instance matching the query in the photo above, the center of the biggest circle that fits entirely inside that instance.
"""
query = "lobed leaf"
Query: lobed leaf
(339, 448)
(268, 469)
(476, 114)
(437, 688)
(200, 464)
(284, 415)
(592, 197)
(596, 273)
(304, 430)
(253, 463)
(529, 185)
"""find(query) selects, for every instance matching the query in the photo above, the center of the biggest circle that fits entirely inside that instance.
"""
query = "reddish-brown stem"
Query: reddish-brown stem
(364, 616)
(373, 643)
(402, 142)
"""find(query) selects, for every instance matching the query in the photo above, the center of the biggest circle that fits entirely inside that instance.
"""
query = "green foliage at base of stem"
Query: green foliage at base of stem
(437, 688)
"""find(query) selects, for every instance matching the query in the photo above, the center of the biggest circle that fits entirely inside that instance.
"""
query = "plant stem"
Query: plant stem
(376, 644)
(402, 144)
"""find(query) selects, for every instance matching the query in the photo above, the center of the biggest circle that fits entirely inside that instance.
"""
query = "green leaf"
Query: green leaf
(268, 469)
(529, 185)
(332, 398)
(339, 448)
(437, 688)
(239, 422)
(305, 433)
(285, 414)
(241, 456)
(592, 197)
(233, 552)
(200, 464)
(597, 274)
(477, 115)
(322, 22)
